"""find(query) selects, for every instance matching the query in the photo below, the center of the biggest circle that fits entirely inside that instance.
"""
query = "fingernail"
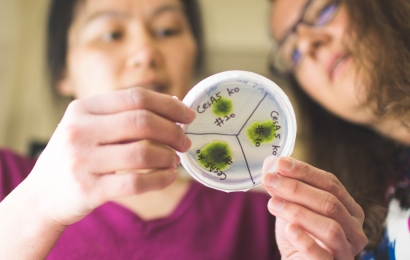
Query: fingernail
(188, 143)
(293, 231)
(276, 204)
(189, 114)
(269, 164)
(271, 180)
(285, 164)
(175, 97)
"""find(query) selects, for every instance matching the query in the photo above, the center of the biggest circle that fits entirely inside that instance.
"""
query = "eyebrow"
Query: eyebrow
(167, 8)
(102, 14)
(124, 15)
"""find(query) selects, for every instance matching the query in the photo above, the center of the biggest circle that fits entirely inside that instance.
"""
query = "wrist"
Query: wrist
(27, 233)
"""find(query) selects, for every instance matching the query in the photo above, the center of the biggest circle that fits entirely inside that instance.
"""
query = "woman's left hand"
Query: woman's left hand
(316, 217)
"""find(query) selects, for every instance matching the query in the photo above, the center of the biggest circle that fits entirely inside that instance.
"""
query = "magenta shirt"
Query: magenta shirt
(13, 170)
(207, 224)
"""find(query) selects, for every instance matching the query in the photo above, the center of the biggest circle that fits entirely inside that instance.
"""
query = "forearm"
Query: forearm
(25, 233)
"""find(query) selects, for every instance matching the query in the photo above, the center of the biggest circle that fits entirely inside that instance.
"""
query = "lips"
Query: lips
(155, 87)
(335, 63)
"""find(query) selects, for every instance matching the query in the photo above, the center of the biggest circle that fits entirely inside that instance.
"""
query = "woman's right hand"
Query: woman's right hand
(102, 149)
(316, 217)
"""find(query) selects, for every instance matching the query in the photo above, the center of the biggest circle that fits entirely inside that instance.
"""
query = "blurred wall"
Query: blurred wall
(236, 38)
(27, 111)
(236, 34)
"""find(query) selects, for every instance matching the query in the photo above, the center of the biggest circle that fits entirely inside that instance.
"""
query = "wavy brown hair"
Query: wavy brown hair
(382, 40)
(364, 161)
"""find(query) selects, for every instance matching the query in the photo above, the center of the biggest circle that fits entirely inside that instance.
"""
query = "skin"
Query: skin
(316, 216)
(108, 143)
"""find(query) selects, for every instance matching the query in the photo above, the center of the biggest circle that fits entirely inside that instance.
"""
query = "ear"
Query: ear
(64, 87)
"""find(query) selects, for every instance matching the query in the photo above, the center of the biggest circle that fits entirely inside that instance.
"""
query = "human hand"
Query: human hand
(108, 146)
(316, 218)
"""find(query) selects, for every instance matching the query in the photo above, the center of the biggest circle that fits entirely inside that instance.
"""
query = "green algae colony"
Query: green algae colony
(215, 156)
(223, 107)
(261, 132)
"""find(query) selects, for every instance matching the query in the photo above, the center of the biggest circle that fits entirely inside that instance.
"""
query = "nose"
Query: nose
(311, 40)
(144, 52)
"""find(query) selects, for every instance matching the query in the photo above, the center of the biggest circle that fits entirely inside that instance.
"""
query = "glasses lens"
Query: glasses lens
(320, 12)
(287, 56)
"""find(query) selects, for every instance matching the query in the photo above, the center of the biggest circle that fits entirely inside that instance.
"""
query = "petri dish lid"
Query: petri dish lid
(242, 118)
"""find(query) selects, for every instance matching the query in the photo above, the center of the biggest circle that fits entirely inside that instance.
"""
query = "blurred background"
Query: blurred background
(236, 33)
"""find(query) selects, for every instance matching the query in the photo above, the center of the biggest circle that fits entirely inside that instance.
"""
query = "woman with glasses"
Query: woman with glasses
(349, 64)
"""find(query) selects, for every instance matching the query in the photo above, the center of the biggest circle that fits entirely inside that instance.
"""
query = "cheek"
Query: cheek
(92, 72)
(341, 98)
(180, 65)
(339, 26)
(312, 78)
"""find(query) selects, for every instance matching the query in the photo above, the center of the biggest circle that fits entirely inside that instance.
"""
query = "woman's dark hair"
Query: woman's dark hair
(61, 15)
(382, 32)
(364, 161)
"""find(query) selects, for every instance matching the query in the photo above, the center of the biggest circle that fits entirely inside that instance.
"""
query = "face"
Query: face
(325, 66)
(118, 44)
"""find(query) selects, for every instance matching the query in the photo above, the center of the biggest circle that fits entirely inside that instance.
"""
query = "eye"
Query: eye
(112, 36)
(166, 32)
(289, 54)
(296, 56)
(326, 13)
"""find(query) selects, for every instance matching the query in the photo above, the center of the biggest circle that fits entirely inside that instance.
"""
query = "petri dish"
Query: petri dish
(242, 118)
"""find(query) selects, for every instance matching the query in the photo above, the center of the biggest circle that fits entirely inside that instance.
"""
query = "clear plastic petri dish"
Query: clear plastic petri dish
(242, 118)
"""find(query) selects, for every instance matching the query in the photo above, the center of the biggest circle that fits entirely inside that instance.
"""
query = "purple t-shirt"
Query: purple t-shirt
(13, 170)
(207, 224)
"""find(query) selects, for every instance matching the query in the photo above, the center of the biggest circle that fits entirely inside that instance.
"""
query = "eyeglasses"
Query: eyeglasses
(285, 56)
